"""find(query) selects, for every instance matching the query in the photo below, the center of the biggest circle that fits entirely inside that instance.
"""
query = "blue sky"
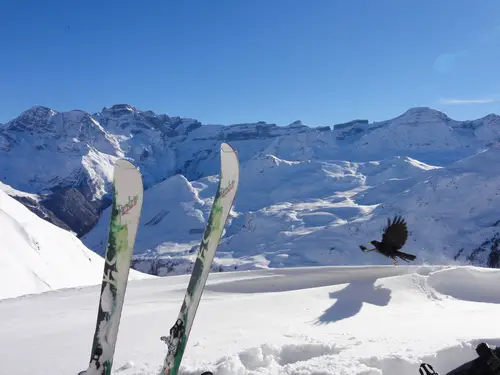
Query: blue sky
(227, 61)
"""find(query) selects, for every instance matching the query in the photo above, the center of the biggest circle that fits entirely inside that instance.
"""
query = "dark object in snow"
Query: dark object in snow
(393, 239)
(488, 363)
(426, 369)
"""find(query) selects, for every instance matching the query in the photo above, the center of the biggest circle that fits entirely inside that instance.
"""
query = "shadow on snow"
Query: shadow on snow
(350, 299)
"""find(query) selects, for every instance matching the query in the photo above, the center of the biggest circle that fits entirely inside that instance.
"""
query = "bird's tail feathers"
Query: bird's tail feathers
(405, 256)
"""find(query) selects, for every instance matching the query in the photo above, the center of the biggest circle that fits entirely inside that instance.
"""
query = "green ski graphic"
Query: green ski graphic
(223, 201)
(125, 215)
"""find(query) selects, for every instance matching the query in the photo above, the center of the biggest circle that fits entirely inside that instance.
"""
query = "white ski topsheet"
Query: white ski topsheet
(129, 181)
(229, 180)
(129, 197)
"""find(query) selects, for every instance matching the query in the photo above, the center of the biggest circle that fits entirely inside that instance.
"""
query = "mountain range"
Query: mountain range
(307, 195)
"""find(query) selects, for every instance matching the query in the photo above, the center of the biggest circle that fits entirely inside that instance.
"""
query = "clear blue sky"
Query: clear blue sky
(229, 61)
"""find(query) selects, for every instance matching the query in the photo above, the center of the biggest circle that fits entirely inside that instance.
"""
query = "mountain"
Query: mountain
(71, 154)
(318, 213)
(307, 195)
(37, 256)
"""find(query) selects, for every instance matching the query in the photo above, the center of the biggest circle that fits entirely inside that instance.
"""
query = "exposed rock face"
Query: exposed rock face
(41, 211)
(72, 208)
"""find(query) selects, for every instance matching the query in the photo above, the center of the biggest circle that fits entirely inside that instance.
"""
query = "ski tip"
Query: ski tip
(225, 147)
(124, 163)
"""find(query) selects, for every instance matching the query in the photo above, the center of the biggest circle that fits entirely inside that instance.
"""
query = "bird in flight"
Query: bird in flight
(393, 240)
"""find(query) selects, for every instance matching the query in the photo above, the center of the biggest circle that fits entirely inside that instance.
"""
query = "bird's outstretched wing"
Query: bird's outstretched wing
(395, 234)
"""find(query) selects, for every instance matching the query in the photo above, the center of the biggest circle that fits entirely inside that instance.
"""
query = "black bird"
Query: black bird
(393, 239)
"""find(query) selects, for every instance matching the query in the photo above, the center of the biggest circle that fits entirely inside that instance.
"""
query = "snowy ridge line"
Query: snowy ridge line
(281, 280)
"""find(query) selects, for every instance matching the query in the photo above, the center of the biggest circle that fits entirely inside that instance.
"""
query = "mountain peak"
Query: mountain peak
(417, 115)
(118, 110)
(424, 111)
(39, 111)
(37, 119)
(296, 124)
(490, 117)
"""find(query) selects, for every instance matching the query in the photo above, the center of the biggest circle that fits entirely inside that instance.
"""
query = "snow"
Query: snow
(307, 197)
(172, 210)
(160, 145)
(58, 143)
(359, 320)
(16, 193)
(37, 256)
(315, 212)
(302, 188)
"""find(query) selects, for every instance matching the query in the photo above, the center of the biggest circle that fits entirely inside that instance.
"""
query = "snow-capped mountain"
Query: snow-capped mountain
(71, 154)
(291, 213)
(37, 256)
(307, 195)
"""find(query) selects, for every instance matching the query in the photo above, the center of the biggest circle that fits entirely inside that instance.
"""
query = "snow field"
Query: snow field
(322, 320)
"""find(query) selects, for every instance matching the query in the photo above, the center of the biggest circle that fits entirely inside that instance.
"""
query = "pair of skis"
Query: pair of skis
(125, 216)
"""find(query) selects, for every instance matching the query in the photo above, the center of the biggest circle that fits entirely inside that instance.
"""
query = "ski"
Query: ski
(223, 201)
(125, 215)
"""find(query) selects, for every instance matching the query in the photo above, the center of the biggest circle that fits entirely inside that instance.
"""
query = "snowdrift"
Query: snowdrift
(362, 320)
(36, 256)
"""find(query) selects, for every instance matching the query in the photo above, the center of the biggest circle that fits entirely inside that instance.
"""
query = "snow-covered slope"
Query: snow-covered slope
(173, 210)
(450, 211)
(306, 320)
(295, 213)
(37, 256)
